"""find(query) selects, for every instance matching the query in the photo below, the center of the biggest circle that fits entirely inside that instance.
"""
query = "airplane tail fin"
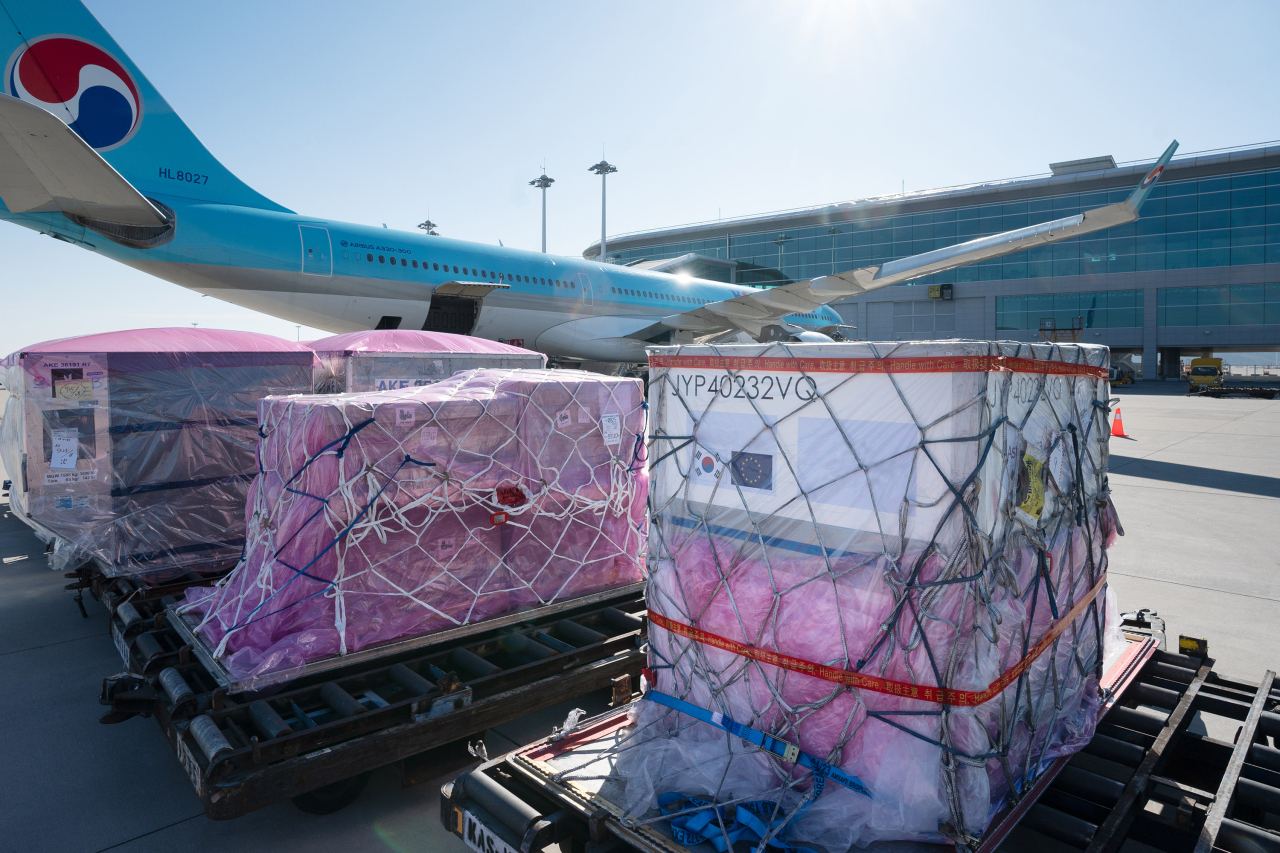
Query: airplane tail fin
(59, 58)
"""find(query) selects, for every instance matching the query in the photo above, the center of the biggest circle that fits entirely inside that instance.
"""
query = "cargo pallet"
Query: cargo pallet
(114, 591)
(414, 704)
(1265, 392)
(1143, 778)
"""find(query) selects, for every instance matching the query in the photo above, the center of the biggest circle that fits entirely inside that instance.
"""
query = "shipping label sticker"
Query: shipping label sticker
(69, 502)
(445, 547)
(62, 478)
(428, 437)
(404, 416)
(611, 426)
(564, 418)
(73, 389)
(1034, 504)
(66, 449)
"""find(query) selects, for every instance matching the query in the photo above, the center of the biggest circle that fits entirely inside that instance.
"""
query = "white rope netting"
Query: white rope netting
(892, 557)
(387, 515)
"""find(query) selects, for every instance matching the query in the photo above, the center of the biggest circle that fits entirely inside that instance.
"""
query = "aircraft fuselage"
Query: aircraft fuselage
(340, 277)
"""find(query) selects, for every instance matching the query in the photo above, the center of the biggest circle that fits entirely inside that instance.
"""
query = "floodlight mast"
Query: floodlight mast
(603, 169)
(542, 183)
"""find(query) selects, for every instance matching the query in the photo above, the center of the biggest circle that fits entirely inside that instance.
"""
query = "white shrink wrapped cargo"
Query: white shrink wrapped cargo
(389, 359)
(889, 557)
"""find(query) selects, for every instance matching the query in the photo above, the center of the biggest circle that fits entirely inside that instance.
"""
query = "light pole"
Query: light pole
(542, 183)
(781, 240)
(429, 227)
(603, 169)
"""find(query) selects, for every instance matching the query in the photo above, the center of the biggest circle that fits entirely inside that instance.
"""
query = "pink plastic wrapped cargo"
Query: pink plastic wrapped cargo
(389, 515)
(892, 556)
(386, 359)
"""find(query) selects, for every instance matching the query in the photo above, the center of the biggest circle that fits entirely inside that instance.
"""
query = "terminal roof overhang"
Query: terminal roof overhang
(990, 192)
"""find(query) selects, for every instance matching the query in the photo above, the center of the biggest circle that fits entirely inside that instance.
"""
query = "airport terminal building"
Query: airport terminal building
(1198, 273)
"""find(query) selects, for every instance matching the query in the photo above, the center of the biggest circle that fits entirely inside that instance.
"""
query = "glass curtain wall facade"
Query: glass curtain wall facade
(1107, 309)
(1209, 222)
(1226, 305)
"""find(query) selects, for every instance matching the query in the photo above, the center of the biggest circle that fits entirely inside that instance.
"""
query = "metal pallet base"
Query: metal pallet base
(1144, 783)
(185, 625)
(243, 751)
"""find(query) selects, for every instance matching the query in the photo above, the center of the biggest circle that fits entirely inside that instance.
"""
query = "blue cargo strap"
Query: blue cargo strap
(696, 821)
(788, 752)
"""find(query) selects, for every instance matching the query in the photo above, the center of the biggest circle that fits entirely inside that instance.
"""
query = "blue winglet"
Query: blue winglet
(1148, 183)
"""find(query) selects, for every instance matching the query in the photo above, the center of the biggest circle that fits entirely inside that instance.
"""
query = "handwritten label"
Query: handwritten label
(73, 389)
(66, 448)
(611, 426)
(429, 437)
(584, 417)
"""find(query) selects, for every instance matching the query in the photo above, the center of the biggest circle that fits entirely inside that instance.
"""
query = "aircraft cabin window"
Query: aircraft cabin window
(415, 265)
(382, 259)
(435, 266)
(455, 270)
(370, 257)
(574, 285)
(403, 262)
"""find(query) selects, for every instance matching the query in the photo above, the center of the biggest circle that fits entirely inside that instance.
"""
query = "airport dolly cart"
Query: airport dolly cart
(1263, 392)
(115, 591)
(1143, 778)
(414, 703)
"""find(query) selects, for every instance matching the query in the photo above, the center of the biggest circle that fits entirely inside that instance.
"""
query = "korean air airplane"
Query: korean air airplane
(90, 153)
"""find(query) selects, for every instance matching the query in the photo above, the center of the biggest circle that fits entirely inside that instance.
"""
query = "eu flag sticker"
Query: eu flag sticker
(753, 470)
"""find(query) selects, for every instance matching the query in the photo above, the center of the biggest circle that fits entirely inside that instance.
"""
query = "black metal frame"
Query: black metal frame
(1144, 778)
(243, 751)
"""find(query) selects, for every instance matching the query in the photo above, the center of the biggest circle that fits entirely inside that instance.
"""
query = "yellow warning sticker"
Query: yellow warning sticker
(1034, 504)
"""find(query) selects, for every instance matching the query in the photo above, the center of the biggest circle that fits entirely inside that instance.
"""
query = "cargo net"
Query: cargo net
(876, 582)
(383, 516)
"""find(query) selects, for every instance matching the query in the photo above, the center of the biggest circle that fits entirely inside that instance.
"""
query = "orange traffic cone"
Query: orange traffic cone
(1117, 425)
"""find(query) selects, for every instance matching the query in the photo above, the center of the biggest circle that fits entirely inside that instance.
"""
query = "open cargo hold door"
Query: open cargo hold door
(455, 306)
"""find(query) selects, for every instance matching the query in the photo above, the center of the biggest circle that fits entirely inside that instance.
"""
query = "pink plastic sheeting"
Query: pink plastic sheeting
(410, 341)
(163, 340)
(907, 525)
(374, 516)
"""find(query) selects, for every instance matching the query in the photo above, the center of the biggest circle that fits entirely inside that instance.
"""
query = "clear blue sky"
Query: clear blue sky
(381, 112)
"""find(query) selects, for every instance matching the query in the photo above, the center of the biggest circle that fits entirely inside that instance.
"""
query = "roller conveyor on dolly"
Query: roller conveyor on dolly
(415, 704)
(1145, 783)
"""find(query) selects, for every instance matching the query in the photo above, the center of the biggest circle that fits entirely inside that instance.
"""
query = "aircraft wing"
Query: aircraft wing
(752, 311)
(45, 166)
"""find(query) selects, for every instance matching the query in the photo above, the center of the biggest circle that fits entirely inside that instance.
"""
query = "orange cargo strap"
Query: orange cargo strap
(940, 364)
(940, 695)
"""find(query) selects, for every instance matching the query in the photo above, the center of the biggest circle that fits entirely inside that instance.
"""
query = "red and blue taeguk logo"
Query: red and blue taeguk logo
(81, 84)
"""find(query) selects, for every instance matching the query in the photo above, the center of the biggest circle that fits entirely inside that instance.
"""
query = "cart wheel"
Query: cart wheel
(331, 798)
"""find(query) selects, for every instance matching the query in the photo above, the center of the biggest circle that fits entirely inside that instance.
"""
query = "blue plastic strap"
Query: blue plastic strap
(711, 824)
(788, 752)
